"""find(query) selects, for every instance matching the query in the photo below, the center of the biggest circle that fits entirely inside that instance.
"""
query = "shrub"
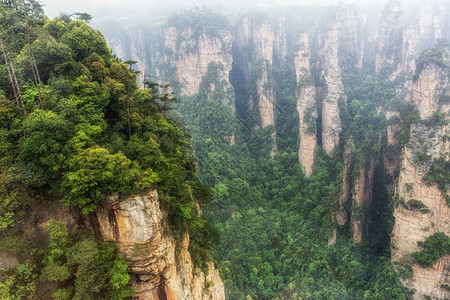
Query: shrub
(434, 247)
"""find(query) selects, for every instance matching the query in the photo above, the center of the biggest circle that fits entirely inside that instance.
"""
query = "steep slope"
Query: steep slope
(352, 106)
(76, 129)
(427, 143)
(306, 104)
(161, 268)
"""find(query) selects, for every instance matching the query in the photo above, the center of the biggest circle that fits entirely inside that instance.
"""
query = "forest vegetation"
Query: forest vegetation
(76, 128)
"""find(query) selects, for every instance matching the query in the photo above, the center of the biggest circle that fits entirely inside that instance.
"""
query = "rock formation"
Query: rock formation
(306, 105)
(161, 269)
(412, 225)
(254, 46)
(323, 58)
(192, 52)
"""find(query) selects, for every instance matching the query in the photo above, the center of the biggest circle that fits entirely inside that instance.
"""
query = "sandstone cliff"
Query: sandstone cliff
(160, 269)
(426, 143)
(337, 44)
(362, 199)
(192, 52)
(331, 123)
(306, 104)
(400, 39)
(254, 46)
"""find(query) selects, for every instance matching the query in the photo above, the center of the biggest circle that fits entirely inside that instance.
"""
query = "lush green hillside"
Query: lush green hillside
(76, 128)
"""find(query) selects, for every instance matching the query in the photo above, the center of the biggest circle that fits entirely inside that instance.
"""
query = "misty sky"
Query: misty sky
(109, 9)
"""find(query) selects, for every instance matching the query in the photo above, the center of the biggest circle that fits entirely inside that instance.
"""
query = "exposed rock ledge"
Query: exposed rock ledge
(161, 270)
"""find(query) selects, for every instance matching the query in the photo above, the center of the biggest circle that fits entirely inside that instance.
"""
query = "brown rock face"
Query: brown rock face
(412, 226)
(265, 44)
(306, 105)
(339, 40)
(191, 56)
(400, 40)
(341, 215)
(346, 192)
(162, 271)
(331, 122)
(424, 90)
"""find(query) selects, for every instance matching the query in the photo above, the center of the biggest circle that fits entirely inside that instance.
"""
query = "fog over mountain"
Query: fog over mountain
(108, 9)
(232, 150)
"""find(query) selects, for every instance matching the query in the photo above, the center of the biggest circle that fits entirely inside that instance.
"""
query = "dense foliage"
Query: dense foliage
(434, 247)
(439, 173)
(274, 221)
(75, 127)
(435, 55)
(73, 266)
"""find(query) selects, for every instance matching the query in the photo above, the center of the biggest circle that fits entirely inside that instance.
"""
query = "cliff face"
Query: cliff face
(306, 104)
(191, 53)
(426, 143)
(323, 58)
(362, 199)
(160, 270)
(130, 44)
(399, 43)
(339, 41)
(254, 46)
(400, 40)
(331, 123)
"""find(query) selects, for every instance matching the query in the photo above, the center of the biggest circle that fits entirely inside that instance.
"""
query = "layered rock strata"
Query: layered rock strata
(161, 269)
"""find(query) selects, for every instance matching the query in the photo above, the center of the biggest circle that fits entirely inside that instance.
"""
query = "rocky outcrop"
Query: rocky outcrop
(412, 226)
(415, 225)
(337, 44)
(401, 39)
(331, 122)
(391, 151)
(191, 53)
(254, 46)
(346, 191)
(424, 90)
(306, 105)
(429, 281)
(161, 269)
(341, 215)
(35, 229)
(396, 43)
(362, 199)
(358, 190)
(181, 57)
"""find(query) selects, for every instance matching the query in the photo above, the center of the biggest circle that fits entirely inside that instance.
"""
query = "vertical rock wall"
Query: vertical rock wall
(192, 54)
(414, 225)
(160, 270)
(254, 45)
(306, 104)
(331, 72)
(338, 47)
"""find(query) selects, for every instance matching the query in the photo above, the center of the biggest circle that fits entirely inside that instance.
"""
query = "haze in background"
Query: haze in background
(158, 10)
